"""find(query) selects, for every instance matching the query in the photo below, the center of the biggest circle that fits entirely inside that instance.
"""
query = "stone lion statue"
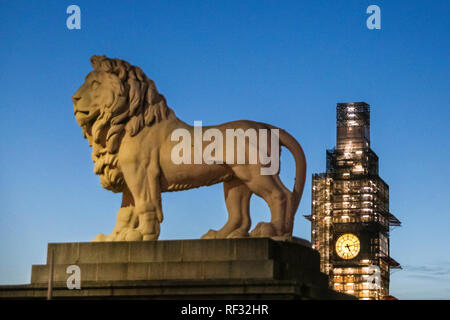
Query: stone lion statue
(129, 126)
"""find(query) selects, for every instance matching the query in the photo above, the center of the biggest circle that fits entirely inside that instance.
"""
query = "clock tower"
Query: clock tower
(350, 218)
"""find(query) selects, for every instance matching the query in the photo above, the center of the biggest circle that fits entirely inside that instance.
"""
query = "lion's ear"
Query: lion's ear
(95, 60)
(101, 63)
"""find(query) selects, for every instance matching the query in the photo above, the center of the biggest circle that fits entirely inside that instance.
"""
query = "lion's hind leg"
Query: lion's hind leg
(270, 188)
(237, 200)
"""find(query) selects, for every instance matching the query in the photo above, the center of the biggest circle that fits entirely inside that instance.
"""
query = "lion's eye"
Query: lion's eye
(95, 84)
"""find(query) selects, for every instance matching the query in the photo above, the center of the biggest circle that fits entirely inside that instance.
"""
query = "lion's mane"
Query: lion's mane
(144, 106)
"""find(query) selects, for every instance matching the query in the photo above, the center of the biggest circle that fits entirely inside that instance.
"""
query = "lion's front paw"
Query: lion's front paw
(137, 235)
(263, 230)
(211, 234)
(133, 235)
(148, 227)
(238, 233)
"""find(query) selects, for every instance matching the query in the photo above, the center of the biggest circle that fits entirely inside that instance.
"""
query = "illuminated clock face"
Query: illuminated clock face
(348, 246)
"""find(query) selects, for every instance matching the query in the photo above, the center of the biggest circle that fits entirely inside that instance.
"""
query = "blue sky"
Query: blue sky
(283, 62)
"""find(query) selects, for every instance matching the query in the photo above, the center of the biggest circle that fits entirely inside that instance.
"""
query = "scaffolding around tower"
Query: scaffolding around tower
(351, 198)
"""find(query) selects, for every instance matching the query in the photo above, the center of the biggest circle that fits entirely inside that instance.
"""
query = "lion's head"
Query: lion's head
(116, 98)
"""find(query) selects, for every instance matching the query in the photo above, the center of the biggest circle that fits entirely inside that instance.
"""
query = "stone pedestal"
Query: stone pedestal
(253, 268)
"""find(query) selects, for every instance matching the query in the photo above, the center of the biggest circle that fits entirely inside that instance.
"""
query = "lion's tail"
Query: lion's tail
(294, 147)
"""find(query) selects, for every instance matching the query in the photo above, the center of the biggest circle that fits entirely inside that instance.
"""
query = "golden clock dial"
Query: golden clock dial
(348, 246)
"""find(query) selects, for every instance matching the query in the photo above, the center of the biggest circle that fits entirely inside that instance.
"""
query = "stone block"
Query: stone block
(249, 268)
